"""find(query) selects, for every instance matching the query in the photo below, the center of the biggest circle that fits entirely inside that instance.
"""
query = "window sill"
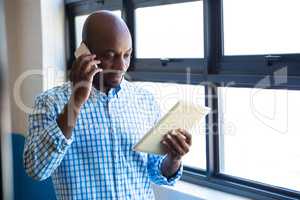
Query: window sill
(187, 191)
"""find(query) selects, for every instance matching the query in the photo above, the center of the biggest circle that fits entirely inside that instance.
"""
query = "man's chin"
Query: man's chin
(108, 81)
(114, 81)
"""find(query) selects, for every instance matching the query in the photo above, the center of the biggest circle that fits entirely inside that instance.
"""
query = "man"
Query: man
(82, 133)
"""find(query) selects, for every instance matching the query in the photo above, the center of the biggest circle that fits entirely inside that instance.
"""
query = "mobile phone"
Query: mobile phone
(82, 49)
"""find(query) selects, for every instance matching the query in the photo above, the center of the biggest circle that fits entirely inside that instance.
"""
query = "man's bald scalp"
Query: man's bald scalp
(102, 24)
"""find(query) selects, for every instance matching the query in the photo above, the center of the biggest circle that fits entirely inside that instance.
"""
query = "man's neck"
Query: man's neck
(101, 88)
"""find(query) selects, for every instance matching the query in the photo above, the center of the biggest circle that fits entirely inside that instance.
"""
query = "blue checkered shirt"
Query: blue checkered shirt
(97, 162)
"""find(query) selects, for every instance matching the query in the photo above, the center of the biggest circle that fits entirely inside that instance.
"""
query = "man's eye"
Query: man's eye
(127, 55)
(108, 56)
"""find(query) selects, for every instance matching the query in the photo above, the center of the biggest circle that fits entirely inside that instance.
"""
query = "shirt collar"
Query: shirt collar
(121, 88)
(117, 91)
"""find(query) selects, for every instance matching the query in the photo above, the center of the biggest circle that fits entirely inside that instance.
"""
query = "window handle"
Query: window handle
(166, 61)
(271, 59)
(100, 2)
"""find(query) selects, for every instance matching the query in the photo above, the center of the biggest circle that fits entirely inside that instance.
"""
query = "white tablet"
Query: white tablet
(182, 115)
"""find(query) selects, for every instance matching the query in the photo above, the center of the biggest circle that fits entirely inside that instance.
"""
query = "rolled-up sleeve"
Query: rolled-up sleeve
(155, 161)
(155, 172)
(45, 145)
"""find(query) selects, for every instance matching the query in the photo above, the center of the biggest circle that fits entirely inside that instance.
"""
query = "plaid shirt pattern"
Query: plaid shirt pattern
(97, 162)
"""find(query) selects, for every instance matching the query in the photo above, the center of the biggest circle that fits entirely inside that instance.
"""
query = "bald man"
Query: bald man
(82, 133)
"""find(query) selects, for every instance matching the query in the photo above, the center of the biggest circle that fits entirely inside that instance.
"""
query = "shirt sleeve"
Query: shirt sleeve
(155, 172)
(155, 161)
(45, 145)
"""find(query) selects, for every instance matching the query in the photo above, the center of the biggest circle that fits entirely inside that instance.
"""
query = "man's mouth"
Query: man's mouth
(114, 72)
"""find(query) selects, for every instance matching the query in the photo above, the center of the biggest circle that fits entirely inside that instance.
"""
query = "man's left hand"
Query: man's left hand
(177, 143)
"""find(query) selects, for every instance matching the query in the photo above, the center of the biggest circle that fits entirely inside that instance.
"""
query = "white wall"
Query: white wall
(35, 35)
(24, 52)
(53, 35)
(6, 162)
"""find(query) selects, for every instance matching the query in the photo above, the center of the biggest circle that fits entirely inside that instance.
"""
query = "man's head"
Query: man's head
(108, 37)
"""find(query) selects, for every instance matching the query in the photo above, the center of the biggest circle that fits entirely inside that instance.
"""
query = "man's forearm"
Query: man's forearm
(170, 167)
(67, 119)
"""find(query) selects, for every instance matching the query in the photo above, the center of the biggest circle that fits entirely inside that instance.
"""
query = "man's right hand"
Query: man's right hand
(82, 73)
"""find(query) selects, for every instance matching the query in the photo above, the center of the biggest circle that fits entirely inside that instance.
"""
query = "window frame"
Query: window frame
(260, 64)
(196, 65)
(213, 71)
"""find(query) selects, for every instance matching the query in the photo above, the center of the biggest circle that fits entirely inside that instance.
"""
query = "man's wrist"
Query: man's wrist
(67, 119)
(170, 166)
(174, 159)
(73, 107)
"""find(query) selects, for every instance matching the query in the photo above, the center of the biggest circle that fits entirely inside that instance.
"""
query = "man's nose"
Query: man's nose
(120, 64)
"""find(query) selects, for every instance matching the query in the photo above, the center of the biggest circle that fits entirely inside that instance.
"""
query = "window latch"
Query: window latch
(100, 2)
(165, 61)
(271, 59)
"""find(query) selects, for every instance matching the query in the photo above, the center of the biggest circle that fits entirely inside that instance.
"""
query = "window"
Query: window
(259, 135)
(167, 94)
(226, 49)
(169, 37)
(79, 22)
(254, 27)
(260, 36)
(170, 31)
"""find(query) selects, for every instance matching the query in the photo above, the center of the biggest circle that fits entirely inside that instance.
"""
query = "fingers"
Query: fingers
(85, 67)
(181, 140)
(75, 70)
(187, 135)
(177, 142)
(79, 61)
(85, 56)
(84, 63)
(168, 148)
(94, 69)
(173, 145)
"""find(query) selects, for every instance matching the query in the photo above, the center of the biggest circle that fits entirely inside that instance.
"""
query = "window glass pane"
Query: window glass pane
(261, 27)
(79, 22)
(167, 95)
(260, 135)
(170, 31)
